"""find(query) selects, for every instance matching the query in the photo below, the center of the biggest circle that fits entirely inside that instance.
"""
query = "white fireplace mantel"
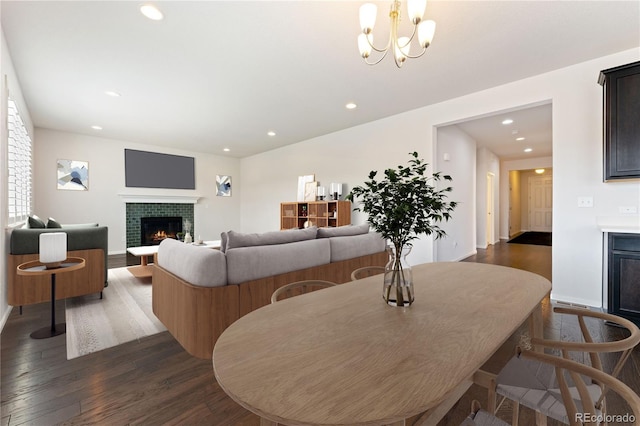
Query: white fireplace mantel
(143, 198)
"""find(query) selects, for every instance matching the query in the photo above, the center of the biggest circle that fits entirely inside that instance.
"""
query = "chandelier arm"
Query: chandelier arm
(385, 49)
(379, 60)
(424, 49)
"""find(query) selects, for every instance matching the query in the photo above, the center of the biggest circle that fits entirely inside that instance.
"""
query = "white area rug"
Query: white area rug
(122, 315)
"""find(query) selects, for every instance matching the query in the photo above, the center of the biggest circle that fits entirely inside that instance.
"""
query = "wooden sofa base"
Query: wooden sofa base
(27, 290)
(197, 316)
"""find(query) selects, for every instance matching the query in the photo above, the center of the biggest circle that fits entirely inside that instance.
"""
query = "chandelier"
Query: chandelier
(401, 45)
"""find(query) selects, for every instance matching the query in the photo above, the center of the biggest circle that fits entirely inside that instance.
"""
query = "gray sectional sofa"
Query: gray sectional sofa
(198, 292)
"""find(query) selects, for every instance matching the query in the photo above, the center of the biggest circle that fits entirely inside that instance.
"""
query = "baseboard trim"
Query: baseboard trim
(4, 319)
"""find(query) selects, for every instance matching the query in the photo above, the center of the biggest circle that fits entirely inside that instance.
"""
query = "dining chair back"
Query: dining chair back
(516, 380)
(366, 271)
(299, 287)
(574, 401)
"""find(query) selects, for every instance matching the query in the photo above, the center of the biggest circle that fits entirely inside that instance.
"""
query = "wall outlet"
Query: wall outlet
(628, 209)
(585, 201)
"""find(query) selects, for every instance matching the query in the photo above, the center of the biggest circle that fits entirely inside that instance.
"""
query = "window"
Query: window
(19, 167)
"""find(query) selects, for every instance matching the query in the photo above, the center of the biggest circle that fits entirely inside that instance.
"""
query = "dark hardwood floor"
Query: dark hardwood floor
(154, 381)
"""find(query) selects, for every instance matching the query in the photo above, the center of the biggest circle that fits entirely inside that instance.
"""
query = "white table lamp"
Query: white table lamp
(336, 190)
(53, 248)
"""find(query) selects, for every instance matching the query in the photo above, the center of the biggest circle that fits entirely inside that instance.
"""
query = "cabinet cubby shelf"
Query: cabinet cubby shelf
(302, 214)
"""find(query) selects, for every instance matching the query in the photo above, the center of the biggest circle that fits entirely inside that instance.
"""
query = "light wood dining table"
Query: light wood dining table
(342, 356)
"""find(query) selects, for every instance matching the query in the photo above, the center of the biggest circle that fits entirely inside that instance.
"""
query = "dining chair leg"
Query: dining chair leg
(541, 419)
(515, 413)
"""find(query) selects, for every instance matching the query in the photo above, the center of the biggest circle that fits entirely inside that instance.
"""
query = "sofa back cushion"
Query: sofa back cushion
(343, 248)
(343, 231)
(200, 266)
(238, 239)
(252, 263)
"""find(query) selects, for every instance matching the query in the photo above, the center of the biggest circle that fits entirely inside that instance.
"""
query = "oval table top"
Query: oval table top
(343, 356)
(35, 267)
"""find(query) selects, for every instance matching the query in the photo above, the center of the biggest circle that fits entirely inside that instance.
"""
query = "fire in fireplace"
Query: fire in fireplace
(155, 229)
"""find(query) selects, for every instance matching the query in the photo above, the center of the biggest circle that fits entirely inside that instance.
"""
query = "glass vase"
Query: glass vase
(398, 279)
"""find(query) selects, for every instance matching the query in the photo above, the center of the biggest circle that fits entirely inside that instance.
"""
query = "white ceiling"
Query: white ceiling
(216, 74)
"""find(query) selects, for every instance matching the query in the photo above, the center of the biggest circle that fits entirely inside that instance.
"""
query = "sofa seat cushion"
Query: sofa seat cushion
(343, 248)
(238, 239)
(252, 263)
(343, 231)
(200, 266)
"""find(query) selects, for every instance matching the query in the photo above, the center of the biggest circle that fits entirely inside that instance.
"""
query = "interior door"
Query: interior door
(540, 203)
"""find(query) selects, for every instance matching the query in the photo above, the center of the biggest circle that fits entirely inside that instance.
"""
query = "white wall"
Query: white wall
(10, 86)
(577, 162)
(101, 203)
(461, 151)
(487, 162)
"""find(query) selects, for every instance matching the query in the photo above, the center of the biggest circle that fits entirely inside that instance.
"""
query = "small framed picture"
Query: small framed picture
(223, 186)
(302, 185)
(310, 189)
(73, 175)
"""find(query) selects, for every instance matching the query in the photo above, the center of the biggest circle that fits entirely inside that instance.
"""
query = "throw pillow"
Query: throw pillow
(36, 222)
(52, 223)
(343, 231)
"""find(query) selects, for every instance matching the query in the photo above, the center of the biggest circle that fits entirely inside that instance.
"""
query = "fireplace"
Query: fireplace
(155, 229)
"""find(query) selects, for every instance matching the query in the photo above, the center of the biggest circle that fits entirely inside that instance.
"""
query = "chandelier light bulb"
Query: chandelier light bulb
(368, 12)
(426, 31)
(415, 9)
(401, 49)
(364, 45)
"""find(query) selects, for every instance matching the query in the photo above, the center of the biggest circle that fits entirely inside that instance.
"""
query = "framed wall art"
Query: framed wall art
(73, 175)
(302, 183)
(223, 186)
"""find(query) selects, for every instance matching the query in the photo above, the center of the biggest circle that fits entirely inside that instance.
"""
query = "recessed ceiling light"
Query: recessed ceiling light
(520, 138)
(539, 171)
(507, 121)
(112, 93)
(271, 133)
(151, 12)
(96, 127)
(226, 150)
(528, 149)
(351, 105)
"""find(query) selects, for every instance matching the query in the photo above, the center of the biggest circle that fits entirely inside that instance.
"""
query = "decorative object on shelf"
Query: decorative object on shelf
(310, 189)
(302, 185)
(336, 190)
(73, 175)
(401, 46)
(53, 249)
(321, 192)
(402, 206)
(187, 231)
(223, 186)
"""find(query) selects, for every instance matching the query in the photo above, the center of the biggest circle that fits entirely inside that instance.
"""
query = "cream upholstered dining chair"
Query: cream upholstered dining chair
(526, 381)
(575, 399)
(366, 271)
(299, 287)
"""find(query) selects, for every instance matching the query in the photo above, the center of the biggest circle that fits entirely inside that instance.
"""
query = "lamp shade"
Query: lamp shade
(415, 10)
(426, 30)
(401, 49)
(364, 44)
(368, 12)
(53, 248)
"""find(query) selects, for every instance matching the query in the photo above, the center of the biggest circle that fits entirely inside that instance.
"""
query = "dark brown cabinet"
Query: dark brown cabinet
(624, 276)
(621, 121)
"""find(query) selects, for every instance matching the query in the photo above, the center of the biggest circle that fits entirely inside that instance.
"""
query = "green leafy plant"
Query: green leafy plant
(403, 205)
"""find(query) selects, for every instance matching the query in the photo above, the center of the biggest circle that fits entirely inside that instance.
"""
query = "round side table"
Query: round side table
(36, 268)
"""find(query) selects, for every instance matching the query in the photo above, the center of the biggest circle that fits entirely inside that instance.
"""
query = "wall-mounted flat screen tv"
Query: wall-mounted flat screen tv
(143, 169)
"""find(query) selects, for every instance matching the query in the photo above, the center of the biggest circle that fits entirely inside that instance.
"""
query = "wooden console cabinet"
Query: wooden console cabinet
(314, 213)
(621, 125)
(624, 276)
